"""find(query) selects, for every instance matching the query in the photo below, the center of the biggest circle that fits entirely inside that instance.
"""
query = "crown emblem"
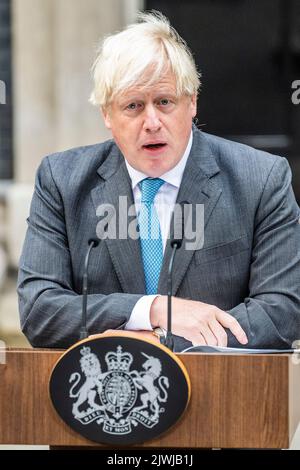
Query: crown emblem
(118, 360)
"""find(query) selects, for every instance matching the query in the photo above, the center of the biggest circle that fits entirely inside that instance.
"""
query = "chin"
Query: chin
(154, 172)
(157, 168)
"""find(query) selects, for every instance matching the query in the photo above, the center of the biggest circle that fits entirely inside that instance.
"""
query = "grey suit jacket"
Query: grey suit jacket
(249, 264)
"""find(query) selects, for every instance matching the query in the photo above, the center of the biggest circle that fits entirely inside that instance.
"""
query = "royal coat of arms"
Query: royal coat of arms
(118, 398)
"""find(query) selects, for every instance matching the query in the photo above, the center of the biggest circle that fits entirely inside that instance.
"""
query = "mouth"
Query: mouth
(155, 147)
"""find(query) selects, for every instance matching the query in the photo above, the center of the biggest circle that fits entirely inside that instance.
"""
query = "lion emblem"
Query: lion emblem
(91, 368)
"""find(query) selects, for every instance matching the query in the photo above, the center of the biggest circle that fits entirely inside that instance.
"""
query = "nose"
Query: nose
(151, 119)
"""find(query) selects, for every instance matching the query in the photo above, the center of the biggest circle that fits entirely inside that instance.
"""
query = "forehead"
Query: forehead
(166, 84)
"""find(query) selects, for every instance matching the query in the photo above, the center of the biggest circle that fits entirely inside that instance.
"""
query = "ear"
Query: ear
(194, 105)
(106, 117)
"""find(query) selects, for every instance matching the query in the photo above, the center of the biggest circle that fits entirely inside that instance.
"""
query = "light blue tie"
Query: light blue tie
(150, 235)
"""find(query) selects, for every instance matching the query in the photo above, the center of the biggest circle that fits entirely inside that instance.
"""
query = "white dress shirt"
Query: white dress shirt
(164, 203)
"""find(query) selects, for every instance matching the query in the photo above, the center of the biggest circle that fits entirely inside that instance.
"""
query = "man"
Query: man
(240, 288)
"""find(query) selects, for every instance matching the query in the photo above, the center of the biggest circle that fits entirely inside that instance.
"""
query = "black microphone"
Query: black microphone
(93, 242)
(175, 243)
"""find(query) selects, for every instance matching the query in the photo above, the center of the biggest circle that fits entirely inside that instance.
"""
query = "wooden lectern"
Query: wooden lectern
(238, 401)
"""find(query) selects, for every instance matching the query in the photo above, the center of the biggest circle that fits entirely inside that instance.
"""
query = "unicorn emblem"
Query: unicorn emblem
(152, 397)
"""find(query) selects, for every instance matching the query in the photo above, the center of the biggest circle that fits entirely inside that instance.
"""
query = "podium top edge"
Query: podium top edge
(181, 354)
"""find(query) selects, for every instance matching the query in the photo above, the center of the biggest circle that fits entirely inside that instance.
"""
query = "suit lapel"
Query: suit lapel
(125, 253)
(197, 187)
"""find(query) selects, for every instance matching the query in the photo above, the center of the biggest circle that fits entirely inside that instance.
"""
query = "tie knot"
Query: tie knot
(149, 188)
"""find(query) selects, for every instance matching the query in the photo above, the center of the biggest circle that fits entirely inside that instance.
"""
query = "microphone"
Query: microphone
(175, 243)
(93, 243)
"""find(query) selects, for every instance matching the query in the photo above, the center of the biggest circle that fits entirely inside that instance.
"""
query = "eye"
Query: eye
(132, 106)
(164, 101)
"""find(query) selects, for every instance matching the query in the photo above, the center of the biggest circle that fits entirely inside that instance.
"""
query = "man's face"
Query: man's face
(152, 126)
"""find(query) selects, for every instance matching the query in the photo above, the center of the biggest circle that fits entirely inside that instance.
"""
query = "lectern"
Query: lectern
(237, 401)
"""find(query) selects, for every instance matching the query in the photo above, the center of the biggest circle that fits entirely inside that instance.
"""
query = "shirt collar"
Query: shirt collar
(173, 176)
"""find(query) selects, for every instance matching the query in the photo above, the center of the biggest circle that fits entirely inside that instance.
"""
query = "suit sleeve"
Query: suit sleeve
(50, 310)
(270, 315)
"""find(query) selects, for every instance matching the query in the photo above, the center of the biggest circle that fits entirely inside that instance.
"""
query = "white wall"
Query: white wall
(54, 45)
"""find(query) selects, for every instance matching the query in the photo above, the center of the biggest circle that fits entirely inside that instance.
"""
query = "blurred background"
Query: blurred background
(247, 51)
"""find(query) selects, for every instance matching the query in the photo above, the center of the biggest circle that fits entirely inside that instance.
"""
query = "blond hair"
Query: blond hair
(141, 55)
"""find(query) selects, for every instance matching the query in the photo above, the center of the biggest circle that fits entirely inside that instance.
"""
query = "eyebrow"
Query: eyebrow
(135, 97)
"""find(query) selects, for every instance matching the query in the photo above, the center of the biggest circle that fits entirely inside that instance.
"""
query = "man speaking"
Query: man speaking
(240, 287)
